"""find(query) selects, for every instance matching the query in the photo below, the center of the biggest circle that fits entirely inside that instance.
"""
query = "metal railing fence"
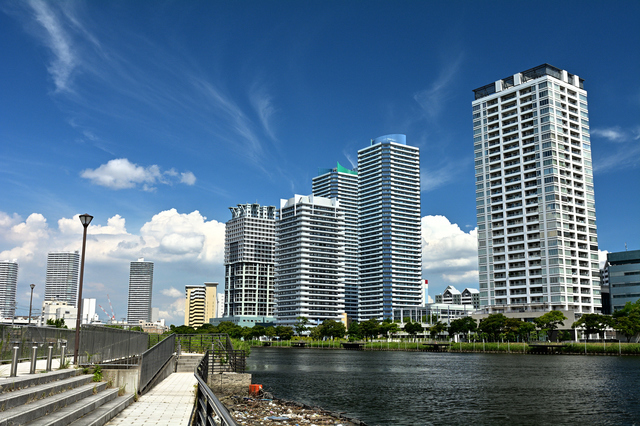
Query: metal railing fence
(97, 343)
(26, 336)
(209, 410)
(152, 360)
(223, 358)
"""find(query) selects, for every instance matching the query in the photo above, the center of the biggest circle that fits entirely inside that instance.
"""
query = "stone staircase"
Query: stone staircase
(58, 398)
(188, 363)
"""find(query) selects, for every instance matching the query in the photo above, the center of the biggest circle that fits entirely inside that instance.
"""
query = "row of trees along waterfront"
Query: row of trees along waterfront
(495, 327)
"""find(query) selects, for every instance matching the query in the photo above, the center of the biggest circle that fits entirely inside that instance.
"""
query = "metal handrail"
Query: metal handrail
(209, 409)
(152, 360)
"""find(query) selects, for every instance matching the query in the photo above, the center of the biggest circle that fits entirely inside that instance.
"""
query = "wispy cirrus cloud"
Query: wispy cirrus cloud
(435, 177)
(432, 99)
(623, 152)
(120, 173)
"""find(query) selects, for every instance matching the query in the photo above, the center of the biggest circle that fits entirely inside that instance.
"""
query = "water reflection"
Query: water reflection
(415, 388)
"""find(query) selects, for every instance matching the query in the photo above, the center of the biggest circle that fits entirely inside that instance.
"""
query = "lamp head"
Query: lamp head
(85, 219)
(32, 286)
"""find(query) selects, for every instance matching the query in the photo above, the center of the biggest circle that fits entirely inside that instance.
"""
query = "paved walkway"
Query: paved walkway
(169, 403)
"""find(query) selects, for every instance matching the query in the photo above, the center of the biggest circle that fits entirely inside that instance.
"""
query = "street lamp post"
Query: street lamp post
(31, 302)
(86, 220)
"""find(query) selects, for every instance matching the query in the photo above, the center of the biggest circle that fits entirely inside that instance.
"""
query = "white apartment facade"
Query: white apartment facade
(249, 259)
(310, 260)
(342, 183)
(8, 287)
(537, 234)
(389, 227)
(140, 291)
(61, 283)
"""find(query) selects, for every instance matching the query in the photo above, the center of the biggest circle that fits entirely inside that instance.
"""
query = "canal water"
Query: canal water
(422, 388)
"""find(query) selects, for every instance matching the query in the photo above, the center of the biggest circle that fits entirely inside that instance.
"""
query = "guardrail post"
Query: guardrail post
(63, 349)
(14, 360)
(34, 353)
(49, 357)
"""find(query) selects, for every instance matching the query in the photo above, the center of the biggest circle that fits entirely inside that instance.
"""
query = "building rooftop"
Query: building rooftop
(530, 74)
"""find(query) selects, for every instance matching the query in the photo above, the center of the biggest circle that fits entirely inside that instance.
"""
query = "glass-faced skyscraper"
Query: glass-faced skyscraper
(390, 240)
(140, 291)
(8, 286)
(342, 183)
(537, 236)
(249, 263)
(61, 283)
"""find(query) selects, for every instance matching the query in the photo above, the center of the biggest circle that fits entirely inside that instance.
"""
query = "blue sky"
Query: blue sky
(155, 117)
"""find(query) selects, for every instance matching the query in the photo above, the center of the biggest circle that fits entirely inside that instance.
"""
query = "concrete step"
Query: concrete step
(30, 412)
(10, 384)
(101, 415)
(31, 394)
(76, 411)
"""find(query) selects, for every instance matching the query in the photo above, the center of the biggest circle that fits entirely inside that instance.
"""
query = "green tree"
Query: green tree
(284, 332)
(207, 328)
(493, 326)
(593, 324)
(549, 322)
(463, 326)
(254, 332)
(436, 329)
(184, 329)
(270, 332)
(301, 325)
(233, 330)
(388, 327)
(413, 328)
(57, 323)
(626, 321)
(354, 332)
(525, 329)
(369, 328)
(332, 328)
(511, 327)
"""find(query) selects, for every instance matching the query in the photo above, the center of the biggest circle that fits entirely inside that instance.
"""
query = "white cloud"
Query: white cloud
(602, 257)
(120, 173)
(58, 40)
(171, 292)
(431, 179)
(613, 134)
(187, 178)
(431, 100)
(449, 255)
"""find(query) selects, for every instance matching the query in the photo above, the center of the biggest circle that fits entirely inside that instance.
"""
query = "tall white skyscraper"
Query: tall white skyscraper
(390, 238)
(249, 263)
(140, 290)
(61, 283)
(309, 260)
(342, 183)
(8, 286)
(537, 236)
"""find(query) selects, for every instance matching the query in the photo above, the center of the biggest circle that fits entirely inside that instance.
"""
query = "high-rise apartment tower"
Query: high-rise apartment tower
(249, 262)
(390, 238)
(342, 184)
(310, 260)
(8, 287)
(537, 237)
(61, 283)
(140, 290)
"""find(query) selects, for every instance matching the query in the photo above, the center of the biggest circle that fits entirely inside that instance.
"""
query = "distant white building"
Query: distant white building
(8, 286)
(61, 282)
(220, 306)
(452, 296)
(140, 290)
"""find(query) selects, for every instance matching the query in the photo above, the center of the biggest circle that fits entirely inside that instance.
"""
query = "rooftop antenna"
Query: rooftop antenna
(625, 246)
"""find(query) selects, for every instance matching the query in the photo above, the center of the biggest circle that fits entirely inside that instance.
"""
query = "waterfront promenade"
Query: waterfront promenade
(168, 404)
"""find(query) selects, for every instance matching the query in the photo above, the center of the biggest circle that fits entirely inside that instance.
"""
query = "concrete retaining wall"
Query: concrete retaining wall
(230, 383)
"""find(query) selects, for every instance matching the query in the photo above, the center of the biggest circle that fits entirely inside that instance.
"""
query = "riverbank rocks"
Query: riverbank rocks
(261, 411)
